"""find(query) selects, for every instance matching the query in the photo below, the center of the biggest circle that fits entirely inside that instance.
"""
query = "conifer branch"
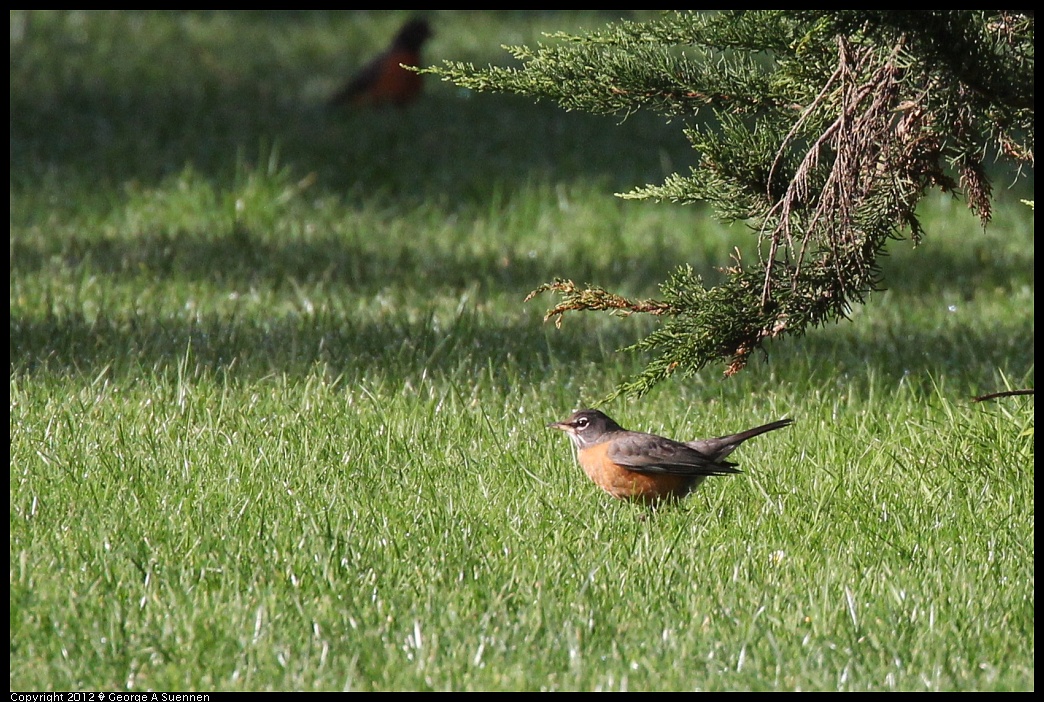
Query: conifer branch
(594, 298)
(826, 129)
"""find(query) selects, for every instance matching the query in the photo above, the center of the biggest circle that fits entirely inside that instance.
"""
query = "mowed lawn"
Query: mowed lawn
(278, 410)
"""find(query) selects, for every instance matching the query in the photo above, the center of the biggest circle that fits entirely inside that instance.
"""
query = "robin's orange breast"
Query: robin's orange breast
(393, 83)
(628, 484)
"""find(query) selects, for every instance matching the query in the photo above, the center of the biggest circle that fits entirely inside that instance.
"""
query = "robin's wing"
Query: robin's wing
(362, 81)
(648, 453)
(383, 80)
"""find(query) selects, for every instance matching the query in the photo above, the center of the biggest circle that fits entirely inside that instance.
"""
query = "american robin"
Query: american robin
(383, 80)
(645, 467)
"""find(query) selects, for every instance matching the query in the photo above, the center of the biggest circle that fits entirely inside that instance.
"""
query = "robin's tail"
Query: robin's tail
(724, 445)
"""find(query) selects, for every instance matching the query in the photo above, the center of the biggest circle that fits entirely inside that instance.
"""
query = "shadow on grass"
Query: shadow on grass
(243, 259)
(521, 349)
(452, 146)
(293, 345)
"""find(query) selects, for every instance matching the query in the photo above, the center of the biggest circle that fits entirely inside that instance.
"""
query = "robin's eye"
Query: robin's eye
(582, 423)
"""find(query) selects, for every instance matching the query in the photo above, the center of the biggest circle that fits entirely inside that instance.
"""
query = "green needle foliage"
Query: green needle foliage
(821, 130)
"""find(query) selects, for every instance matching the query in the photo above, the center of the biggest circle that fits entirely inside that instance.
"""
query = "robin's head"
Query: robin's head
(586, 427)
(413, 35)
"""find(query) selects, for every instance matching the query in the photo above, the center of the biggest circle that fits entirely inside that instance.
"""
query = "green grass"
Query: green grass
(277, 408)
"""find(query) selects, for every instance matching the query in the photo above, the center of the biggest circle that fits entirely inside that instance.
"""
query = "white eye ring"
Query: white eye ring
(582, 422)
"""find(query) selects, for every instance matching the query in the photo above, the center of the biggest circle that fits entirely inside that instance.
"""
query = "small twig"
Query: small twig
(1005, 393)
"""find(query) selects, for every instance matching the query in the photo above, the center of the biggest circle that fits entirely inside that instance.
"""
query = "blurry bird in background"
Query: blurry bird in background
(383, 80)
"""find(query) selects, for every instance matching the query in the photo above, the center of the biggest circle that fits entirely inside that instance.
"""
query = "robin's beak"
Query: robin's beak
(559, 425)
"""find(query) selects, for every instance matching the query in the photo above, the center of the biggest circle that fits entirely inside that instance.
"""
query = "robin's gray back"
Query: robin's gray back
(648, 453)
